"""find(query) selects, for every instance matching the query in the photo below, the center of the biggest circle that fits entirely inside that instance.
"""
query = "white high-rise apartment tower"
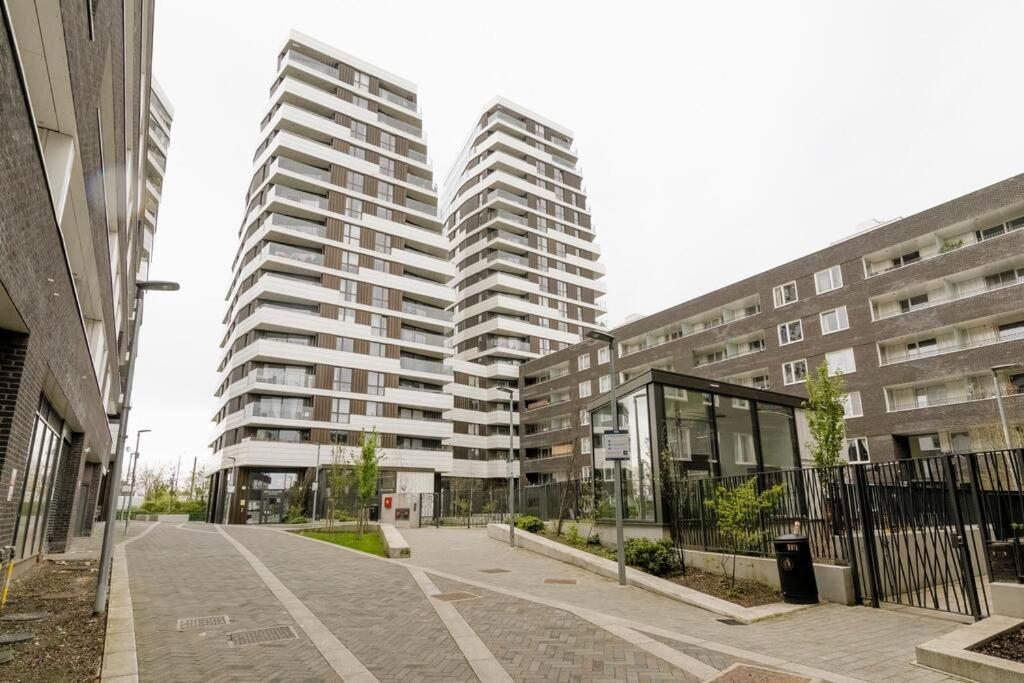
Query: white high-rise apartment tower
(339, 309)
(528, 279)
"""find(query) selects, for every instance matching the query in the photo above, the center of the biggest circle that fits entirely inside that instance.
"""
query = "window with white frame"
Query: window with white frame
(584, 417)
(834, 320)
(361, 80)
(585, 445)
(857, 450)
(841, 361)
(585, 389)
(604, 383)
(603, 354)
(583, 362)
(791, 332)
(828, 279)
(745, 454)
(785, 294)
(851, 405)
(794, 372)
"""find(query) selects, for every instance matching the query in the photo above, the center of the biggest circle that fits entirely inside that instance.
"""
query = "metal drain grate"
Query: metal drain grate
(457, 595)
(202, 622)
(566, 582)
(261, 635)
(494, 571)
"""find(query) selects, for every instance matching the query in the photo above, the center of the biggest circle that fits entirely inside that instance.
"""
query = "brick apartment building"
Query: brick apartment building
(81, 163)
(923, 315)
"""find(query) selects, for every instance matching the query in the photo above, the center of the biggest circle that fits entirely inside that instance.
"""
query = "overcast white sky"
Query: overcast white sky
(717, 139)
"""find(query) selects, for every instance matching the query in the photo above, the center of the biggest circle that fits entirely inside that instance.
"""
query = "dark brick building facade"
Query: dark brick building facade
(917, 312)
(72, 242)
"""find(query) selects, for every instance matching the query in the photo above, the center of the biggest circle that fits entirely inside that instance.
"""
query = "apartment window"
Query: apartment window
(543, 345)
(350, 262)
(346, 315)
(905, 259)
(340, 410)
(583, 362)
(354, 181)
(542, 224)
(561, 289)
(358, 130)
(542, 263)
(387, 141)
(353, 207)
(375, 383)
(857, 450)
(603, 355)
(538, 130)
(1004, 279)
(560, 249)
(604, 383)
(387, 167)
(910, 303)
(357, 152)
(379, 297)
(542, 244)
(361, 80)
(379, 350)
(584, 417)
(923, 347)
(381, 266)
(834, 320)
(841, 361)
(382, 243)
(827, 280)
(791, 332)
(351, 234)
(584, 389)
(386, 192)
(542, 205)
(342, 379)
(345, 344)
(785, 294)
(378, 325)
(349, 289)
(794, 372)
(375, 409)
(585, 445)
(1011, 331)
(852, 406)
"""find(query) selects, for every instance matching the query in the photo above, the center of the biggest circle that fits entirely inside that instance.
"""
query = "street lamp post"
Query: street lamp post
(135, 469)
(110, 506)
(613, 401)
(511, 479)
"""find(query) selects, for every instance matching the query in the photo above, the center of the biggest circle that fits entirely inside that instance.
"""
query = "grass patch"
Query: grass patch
(369, 543)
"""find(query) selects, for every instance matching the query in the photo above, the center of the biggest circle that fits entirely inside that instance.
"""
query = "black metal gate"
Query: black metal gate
(928, 526)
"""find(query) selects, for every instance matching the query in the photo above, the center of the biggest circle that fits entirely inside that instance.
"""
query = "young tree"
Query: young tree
(367, 470)
(824, 406)
(738, 513)
(339, 483)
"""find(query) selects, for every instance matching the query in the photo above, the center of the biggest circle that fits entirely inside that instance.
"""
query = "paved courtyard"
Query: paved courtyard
(268, 605)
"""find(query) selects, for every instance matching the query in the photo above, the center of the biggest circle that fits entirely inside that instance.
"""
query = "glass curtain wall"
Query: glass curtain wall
(686, 432)
(50, 442)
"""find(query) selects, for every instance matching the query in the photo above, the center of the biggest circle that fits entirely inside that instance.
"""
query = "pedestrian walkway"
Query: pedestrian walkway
(269, 605)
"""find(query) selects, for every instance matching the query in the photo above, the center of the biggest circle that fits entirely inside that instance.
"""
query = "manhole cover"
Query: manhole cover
(457, 595)
(494, 571)
(7, 638)
(731, 622)
(261, 635)
(26, 616)
(567, 582)
(202, 622)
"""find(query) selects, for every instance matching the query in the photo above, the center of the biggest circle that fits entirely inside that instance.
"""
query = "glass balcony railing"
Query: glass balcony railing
(504, 194)
(426, 311)
(417, 156)
(399, 124)
(296, 254)
(302, 59)
(304, 169)
(562, 161)
(304, 198)
(510, 237)
(283, 411)
(501, 116)
(420, 337)
(420, 365)
(397, 99)
(564, 144)
(279, 220)
(422, 207)
(421, 182)
(511, 344)
(283, 378)
(509, 258)
(501, 214)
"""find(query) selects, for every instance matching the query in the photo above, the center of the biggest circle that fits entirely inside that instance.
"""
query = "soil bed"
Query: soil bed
(67, 646)
(745, 592)
(1007, 646)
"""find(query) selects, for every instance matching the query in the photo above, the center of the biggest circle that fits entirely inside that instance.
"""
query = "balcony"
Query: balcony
(426, 311)
(506, 195)
(511, 344)
(959, 339)
(564, 144)
(295, 254)
(397, 99)
(420, 181)
(501, 214)
(418, 156)
(561, 161)
(304, 169)
(943, 292)
(727, 351)
(509, 258)
(421, 337)
(399, 124)
(505, 118)
(277, 220)
(313, 64)
(280, 411)
(283, 378)
(420, 365)
(510, 237)
(305, 198)
(422, 207)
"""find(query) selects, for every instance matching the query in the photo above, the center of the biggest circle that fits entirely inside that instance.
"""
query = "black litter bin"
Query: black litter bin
(796, 569)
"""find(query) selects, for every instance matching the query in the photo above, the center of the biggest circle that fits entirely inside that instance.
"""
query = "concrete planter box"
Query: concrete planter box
(1007, 599)
(952, 653)
(162, 517)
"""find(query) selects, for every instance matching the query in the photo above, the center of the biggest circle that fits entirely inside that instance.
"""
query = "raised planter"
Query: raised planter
(952, 653)
(1007, 599)
(163, 517)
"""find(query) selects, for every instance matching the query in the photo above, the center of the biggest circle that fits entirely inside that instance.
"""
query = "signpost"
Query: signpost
(616, 449)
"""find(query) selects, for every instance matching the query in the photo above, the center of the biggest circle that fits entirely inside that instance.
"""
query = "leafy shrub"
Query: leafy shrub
(342, 516)
(654, 557)
(295, 515)
(530, 523)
